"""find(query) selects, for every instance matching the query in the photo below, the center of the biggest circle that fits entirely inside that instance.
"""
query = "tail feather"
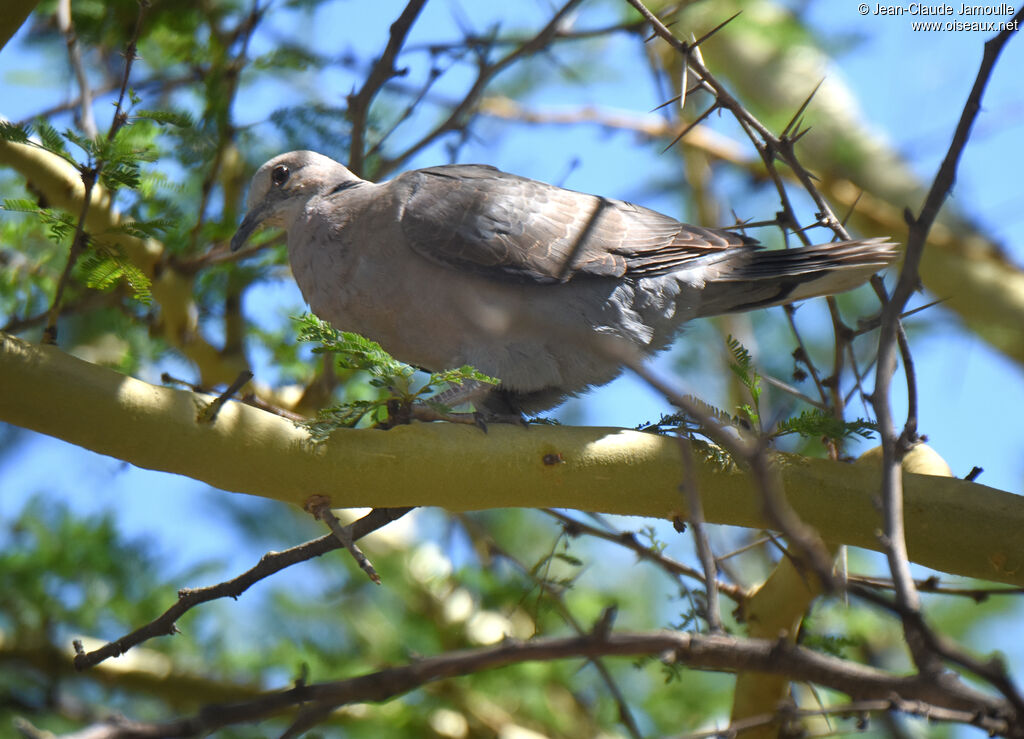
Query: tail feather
(763, 278)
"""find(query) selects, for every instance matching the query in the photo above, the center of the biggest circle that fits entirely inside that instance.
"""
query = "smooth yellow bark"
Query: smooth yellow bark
(14, 14)
(953, 525)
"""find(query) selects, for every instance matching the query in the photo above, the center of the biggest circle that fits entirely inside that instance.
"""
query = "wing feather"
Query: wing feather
(500, 225)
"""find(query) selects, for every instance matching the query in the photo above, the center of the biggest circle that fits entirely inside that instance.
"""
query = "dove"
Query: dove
(547, 289)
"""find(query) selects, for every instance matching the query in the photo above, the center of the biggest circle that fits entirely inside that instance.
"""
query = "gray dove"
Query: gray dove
(530, 283)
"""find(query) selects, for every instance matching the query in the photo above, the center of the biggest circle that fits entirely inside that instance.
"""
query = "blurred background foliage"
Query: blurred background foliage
(219, 87)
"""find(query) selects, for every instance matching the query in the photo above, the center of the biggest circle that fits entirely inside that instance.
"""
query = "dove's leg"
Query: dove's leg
(493, 405)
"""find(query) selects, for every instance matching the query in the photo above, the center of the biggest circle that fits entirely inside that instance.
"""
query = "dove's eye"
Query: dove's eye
(280, 175)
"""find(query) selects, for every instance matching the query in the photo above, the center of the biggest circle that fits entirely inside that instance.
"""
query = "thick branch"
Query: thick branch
(15, 14)
(713, 652)
(953, 525)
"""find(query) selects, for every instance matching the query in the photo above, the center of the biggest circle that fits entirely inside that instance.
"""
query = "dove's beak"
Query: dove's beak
(253, 220)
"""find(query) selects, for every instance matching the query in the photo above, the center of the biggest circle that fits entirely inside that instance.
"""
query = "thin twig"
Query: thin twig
(777, 510)
(629, 540)
(456, 117)
(544, 585)
(320, 507)
(695, 516)
(90, 176)
(209, 413)
(854, 709)
(270, 563)
(787, 388)
(925, 646)
(66, 26)
(78, 242)
(218, 112)
(383, 70)
(933, 585)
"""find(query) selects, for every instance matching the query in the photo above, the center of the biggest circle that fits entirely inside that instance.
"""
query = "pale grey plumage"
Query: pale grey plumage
(464, 264)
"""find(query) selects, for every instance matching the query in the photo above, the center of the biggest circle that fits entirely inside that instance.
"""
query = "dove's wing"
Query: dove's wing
(477, 218)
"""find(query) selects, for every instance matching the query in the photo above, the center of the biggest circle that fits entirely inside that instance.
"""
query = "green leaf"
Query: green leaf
(104, 267)
(359, 353)
(50, 139)
(165, 118)
(743, 367)
(344, 416)
(816, 423)
(353, 351)
(21, 205)
(120, 174)
(460, 375)
(144, 229)
(830, 644)
(14, 132)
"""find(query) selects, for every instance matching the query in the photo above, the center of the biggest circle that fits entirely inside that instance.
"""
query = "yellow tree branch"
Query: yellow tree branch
(953, 525)
(773, 610)
(16, 12)
(60, 184)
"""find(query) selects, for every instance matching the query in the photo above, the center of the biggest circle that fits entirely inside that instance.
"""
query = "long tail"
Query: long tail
(762, 278)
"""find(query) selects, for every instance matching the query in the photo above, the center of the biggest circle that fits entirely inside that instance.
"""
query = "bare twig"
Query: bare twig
(695, 515)
(777, 511)
(218, 110)
(628, 539)
(925, 646)
(625, 714)
(210, 412)
(64, 23)
(485, 74)
(320, 507)
(787, 388)
(856, 710)
(90, 176)
(383, 70)
(934, 585)
(270, 563)
(560, 34)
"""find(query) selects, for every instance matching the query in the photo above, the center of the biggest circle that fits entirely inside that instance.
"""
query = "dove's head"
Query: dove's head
(281, 188)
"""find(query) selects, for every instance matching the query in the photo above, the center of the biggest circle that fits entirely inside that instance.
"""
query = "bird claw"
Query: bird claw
(482, 418)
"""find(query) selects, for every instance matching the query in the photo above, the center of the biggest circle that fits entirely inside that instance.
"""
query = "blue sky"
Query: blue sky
(911, 86)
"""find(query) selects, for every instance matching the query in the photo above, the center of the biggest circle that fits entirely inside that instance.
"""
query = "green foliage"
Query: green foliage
(398, 379)
(180, 119)
(51, 140)
(652, 539)
(17, 133)
(834, 645)
(314, 126)
(49, 553)
(60, 225)
(811, 423)
(103, 267)
(742, 366)
(116, 160)
(816, 423)
(65, 573)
